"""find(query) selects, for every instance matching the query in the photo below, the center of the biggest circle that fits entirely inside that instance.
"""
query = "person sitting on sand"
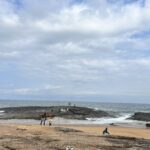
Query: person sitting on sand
(43, 119)
(105, 131)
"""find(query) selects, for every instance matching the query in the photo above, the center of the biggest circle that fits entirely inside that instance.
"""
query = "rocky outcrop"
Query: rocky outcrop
(141, 116)
(69, 112)
(148, 125)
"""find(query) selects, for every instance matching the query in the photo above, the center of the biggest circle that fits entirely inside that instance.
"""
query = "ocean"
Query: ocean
(122, 111)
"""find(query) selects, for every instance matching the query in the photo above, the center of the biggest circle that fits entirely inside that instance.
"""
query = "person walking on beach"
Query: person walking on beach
(106, 131)
(43, 119)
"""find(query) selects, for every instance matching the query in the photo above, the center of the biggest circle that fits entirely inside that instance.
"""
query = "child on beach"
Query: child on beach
(50, 121)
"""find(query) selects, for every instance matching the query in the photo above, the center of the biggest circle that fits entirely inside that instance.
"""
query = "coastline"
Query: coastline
(30, 115)
(62, 121)
(80, 134)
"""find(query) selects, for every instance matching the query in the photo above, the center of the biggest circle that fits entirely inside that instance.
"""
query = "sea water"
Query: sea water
(122, 111)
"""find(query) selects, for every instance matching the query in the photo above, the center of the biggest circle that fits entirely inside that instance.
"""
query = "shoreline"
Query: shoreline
(77, 116)
(70, 122)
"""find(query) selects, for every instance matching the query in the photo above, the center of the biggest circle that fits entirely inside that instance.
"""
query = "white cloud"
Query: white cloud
(46, 89)
(66, 43)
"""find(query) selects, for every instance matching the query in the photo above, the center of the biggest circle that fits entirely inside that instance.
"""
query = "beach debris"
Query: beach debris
(21, 129)
(69, 148)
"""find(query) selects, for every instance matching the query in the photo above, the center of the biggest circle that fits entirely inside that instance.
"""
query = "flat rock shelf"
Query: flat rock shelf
(68, 112)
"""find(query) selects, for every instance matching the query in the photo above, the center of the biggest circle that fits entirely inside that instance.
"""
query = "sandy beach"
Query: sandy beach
(20, 129)
(36, 137)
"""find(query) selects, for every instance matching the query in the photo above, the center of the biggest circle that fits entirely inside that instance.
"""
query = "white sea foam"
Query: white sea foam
(1, 112)
(121, 120)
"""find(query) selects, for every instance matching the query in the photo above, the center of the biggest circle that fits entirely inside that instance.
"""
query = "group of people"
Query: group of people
(44, 117)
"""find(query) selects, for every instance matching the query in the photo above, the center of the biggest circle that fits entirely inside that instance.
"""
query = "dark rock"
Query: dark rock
(148, 125)
(141, 116)
(69, 112)
(112, 124)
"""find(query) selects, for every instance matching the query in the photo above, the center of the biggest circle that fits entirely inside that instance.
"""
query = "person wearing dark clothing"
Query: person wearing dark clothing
(43, 119)
(105, 131)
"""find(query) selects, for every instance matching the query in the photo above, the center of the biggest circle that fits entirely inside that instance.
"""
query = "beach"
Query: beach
(80, 137)
(115, 131)
(73, 126)
(74, 74)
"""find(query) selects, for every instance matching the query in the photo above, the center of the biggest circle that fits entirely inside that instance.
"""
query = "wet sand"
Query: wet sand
(36, 137)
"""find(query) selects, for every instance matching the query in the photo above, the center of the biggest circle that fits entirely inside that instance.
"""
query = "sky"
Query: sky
(75, 50)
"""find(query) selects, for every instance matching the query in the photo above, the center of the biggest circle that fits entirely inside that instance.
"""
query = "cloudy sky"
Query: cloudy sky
(75, 49)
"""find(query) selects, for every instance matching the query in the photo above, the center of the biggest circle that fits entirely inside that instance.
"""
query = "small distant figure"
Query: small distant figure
(43, 119)
(69, 104)
(49, 122)
(105, 132)
(50, 119)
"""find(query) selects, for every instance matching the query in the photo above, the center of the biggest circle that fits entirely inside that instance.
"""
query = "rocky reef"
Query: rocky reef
(69, 112)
